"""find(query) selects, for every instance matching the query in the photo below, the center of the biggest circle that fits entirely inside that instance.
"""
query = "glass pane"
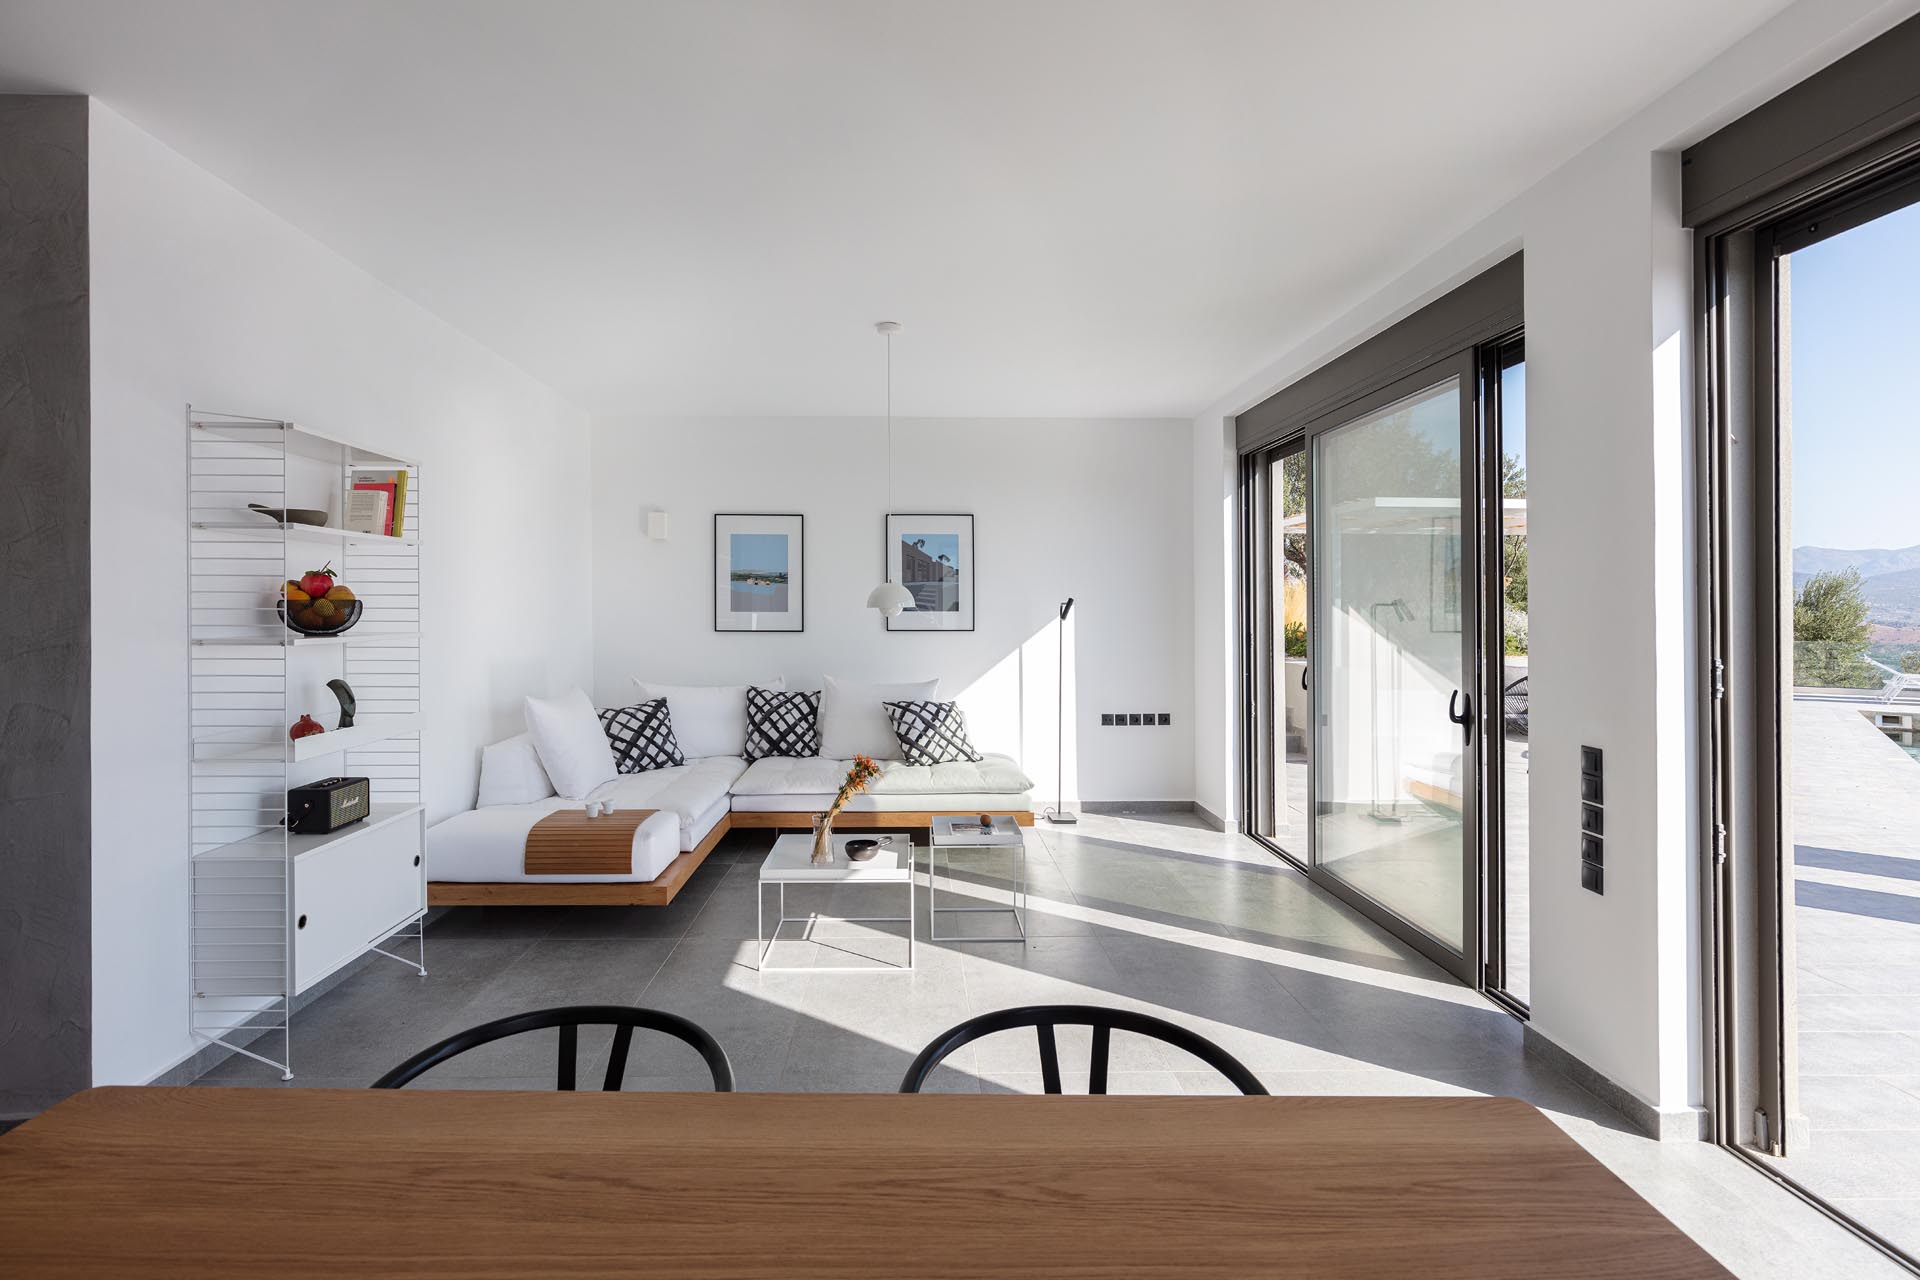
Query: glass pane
(1511, 724)
(1848, 331)
(1289, 596)
(1393, 788)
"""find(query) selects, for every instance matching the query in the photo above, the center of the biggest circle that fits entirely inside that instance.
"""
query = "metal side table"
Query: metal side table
(791, 862)
(963, 834)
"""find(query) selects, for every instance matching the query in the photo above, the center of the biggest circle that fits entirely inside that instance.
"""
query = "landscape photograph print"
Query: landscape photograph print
(758, 572)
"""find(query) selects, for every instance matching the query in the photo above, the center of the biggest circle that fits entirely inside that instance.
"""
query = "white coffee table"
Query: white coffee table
(961, 833)
(791, 862)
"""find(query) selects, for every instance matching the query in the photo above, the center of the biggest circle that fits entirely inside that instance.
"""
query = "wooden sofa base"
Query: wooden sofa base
(864, 820)
(657, 892)
(663, 888)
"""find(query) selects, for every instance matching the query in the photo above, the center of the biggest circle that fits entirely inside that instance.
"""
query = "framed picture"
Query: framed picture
(759, 573)
(932, 557)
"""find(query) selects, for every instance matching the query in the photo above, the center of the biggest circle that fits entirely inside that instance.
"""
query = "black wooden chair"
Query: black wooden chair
(1043, 1018)
(570, 1020)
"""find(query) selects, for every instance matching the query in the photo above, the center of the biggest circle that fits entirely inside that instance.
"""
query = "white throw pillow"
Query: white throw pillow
(573, 747)
(853, 719)
(510, 773)
(708, 719)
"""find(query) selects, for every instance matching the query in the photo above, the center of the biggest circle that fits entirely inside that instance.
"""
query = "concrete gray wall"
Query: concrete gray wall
(46, 882)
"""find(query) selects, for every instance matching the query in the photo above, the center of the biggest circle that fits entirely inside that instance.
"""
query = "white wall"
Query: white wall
(1093, 510)
(1616, 978)
(199, 295)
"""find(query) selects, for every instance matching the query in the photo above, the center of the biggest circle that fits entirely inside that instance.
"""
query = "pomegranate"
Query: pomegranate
(317, 582)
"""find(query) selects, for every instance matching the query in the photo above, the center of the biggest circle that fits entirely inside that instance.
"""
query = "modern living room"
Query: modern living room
(749, 593)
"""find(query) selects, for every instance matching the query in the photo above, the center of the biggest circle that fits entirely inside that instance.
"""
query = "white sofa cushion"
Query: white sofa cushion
(510, 773)
(572, 746)
(853, 719)
(688, 791)
(812, 777)
(708, 719)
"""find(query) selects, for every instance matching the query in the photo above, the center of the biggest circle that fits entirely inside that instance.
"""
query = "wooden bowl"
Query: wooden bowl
(290, 515)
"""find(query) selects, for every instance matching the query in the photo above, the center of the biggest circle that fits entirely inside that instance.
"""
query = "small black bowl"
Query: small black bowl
(347, 613)
(862, 850)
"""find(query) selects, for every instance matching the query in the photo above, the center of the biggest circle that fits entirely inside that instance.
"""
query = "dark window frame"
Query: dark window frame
(1837, 150)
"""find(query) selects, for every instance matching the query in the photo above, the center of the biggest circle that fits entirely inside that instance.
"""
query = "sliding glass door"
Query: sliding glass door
(1394, 662)
(1816, 743)
(1508, 753)
(1279, 727)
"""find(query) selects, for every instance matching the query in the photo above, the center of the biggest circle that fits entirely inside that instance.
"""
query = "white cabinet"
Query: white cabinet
(355, 888)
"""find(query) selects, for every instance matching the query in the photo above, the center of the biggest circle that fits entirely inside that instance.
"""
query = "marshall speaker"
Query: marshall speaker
(327, 805)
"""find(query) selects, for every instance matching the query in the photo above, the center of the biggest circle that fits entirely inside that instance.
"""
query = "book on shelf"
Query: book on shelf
(369, 509)
(394, 485)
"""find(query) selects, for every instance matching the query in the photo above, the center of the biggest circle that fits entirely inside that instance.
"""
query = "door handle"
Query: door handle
(1462, 718)
(1303, 677)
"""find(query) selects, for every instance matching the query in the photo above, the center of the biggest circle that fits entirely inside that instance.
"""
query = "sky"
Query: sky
(758, 551)
(1856, 353)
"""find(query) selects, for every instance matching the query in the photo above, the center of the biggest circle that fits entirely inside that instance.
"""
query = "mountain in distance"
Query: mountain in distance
(1871, 562)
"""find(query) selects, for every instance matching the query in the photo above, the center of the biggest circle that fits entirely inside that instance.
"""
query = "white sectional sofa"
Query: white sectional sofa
(476, 857)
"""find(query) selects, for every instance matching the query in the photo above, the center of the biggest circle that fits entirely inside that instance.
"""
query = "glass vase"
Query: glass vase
(822, 839)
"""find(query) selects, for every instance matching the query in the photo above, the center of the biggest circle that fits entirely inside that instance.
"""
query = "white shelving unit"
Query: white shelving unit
(274, 913)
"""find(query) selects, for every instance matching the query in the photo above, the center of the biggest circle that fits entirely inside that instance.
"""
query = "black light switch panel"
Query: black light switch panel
(1592, 850)
(1592, 878)
(1165, 718)
(1133, 717)
(1590, 760)
(1106, 717)
(1590, 789)
(1591, 820)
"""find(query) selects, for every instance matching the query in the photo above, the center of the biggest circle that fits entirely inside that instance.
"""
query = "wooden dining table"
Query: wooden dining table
(319, 1182)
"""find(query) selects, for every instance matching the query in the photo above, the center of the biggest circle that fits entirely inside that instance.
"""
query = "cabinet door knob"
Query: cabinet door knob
(416, 859)
(301, 923)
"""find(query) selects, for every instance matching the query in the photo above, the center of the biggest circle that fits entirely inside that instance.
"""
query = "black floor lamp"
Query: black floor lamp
(1060, 817)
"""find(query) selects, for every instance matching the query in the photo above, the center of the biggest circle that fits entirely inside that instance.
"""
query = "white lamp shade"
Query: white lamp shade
(890, 598)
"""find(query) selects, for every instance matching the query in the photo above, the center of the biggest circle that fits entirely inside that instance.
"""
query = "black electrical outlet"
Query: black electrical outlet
(1591, 820)
(1106, 717)
(1592, 878)
(1591, 850)
(1165, 718)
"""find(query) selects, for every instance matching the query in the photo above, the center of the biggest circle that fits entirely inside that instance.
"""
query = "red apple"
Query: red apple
(305, 727)
(317, 582)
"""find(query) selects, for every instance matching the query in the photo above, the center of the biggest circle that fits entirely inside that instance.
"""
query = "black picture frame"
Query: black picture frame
(799, 588)
(966, 619)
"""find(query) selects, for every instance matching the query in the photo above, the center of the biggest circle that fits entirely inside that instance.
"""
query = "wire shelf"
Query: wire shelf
(252, 677)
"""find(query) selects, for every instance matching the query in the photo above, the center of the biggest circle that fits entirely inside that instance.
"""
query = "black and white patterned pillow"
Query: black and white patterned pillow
(931, 732)
(782, 724)
(641, 737)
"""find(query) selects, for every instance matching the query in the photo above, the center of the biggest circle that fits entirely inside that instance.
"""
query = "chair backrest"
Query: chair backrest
(1043, 1018)
(570, 1019)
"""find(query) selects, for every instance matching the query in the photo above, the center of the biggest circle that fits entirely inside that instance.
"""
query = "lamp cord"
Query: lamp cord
(889, 338)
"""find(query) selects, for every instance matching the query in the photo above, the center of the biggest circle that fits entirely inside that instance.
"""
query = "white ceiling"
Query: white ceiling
(1076, 207)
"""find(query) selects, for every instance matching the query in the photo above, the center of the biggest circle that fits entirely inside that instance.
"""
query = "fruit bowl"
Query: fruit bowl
(345, 614)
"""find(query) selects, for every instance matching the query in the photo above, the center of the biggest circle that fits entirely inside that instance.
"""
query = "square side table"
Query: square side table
(962, 833)
(791, 862)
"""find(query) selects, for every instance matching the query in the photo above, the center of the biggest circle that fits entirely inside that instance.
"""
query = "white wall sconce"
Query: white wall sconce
(657, 526)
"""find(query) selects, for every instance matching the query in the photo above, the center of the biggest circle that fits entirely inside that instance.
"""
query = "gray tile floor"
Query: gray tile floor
(1151, 912)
